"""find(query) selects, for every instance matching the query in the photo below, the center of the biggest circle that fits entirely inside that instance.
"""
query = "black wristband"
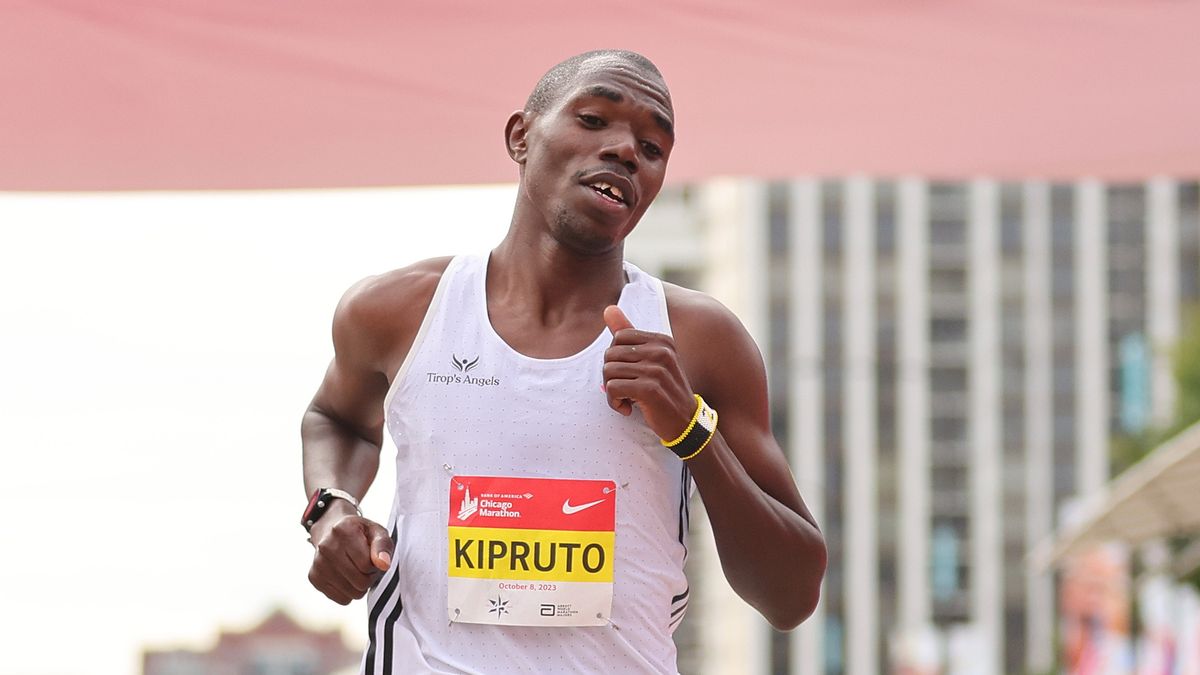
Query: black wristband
(319, 503)
(698, 432)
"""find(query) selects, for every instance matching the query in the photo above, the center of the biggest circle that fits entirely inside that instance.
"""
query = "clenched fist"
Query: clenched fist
(642, 368)
(351, 553)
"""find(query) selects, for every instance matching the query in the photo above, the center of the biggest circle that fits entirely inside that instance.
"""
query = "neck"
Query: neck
(542, 276)
(546, 298)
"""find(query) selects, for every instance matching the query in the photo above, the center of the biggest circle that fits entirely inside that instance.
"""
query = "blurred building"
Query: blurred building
(277, 646)
(948, 361)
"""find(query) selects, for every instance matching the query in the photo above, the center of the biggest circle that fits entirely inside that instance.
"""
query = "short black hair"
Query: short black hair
(548, 89)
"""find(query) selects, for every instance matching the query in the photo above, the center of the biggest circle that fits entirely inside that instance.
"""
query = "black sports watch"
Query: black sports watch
(319, 504)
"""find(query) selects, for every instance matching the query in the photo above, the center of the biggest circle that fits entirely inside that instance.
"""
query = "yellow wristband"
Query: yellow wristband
(688, 430)
(699, 432)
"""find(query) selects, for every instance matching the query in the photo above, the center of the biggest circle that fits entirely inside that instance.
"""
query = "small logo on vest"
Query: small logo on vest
(468, 507)
(499, 606)
(463, 366)
(569, 508)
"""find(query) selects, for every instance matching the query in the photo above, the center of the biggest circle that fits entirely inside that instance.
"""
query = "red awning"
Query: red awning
(202, 94)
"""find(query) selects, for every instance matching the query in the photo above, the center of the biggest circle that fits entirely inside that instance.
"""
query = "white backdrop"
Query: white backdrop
(158, 351)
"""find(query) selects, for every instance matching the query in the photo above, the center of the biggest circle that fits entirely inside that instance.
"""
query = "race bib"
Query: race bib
(531, 551)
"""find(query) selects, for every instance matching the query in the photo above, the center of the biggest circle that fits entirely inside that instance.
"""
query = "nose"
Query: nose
(620, 146)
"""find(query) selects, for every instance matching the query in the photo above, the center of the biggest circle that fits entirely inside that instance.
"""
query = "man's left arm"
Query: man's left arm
(770, 547)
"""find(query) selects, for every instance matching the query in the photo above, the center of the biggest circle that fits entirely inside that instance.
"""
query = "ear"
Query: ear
(515, 133)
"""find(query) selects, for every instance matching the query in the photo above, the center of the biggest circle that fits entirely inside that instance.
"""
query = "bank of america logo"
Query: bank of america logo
(463, 365)
(469, 506)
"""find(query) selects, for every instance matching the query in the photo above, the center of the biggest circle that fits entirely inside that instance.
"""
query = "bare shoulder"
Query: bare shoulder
(399, 291)
(712, 342)
(378, 317)
(692, 310)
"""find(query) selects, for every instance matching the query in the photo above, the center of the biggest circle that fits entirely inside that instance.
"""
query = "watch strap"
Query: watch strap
(319, 503)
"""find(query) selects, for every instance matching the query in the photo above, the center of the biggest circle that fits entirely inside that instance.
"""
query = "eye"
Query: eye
(651, 149)
(591, 121)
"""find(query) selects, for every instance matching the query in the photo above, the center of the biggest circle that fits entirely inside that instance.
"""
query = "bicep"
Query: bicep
(354, 386)
(353, 397)
(373, 328)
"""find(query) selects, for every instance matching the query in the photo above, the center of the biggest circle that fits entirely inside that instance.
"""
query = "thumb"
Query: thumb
(616, 319)
(381, 547)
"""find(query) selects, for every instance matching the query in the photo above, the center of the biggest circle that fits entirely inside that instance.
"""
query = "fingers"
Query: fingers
(621, 405)
(617, 322)
(615, 319)
(381, 548)
(629, 346)
(641, 368)
(625, 354)
(626, 383)
(623, 374)
(335, 576)
(654, 349)
(616, 393)
(631, 382)
(330, 584)
(349, 558)
(632, 337)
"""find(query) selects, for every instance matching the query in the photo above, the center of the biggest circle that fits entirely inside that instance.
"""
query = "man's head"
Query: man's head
(592, 142)
(546, 92)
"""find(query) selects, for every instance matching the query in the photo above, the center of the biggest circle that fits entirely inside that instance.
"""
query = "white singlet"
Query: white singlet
(465, 406)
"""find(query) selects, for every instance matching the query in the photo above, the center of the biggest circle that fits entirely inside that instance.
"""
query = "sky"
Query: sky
(158, 350)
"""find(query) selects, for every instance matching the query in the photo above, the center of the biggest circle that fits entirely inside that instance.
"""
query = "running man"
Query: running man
(551, 405)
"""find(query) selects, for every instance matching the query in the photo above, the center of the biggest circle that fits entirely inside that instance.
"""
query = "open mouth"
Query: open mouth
(607, 191)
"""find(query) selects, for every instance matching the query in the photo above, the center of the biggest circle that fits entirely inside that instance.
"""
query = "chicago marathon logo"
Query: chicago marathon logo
(463, 366)
(494, 505)
(468, 507)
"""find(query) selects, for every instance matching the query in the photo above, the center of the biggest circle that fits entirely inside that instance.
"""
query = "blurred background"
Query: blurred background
(965, 237)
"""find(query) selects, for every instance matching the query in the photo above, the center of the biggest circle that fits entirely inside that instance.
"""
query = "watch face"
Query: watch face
(310, 516)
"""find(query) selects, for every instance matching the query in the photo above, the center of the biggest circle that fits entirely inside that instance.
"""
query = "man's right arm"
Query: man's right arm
(342, 430)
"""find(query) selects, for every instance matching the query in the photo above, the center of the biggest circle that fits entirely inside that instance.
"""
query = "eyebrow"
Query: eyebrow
(601, 91)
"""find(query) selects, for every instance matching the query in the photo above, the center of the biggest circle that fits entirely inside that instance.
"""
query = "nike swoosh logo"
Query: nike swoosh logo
(568, 508)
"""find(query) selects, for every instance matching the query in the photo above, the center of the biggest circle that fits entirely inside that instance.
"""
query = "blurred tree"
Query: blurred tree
(1187, 371)
(1129, 449)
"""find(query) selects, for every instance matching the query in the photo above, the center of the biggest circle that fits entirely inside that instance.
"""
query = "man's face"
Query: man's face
(597, 157)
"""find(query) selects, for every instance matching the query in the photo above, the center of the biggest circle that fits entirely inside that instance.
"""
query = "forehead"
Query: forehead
(604, 77)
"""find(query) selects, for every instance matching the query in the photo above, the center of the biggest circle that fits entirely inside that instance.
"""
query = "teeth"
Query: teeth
(611, 189)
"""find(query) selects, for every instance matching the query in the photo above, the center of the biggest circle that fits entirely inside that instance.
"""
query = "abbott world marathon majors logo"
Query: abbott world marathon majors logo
(462, 374)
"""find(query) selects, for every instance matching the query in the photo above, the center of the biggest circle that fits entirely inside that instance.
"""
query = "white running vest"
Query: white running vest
(465, 404)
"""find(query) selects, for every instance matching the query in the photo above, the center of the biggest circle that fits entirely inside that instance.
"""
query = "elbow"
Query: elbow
(803, 599)
(788, 618)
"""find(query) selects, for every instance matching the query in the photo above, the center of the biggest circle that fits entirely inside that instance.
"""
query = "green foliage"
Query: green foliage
(1192, 579)
(1129, 449)
(1186, 362)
